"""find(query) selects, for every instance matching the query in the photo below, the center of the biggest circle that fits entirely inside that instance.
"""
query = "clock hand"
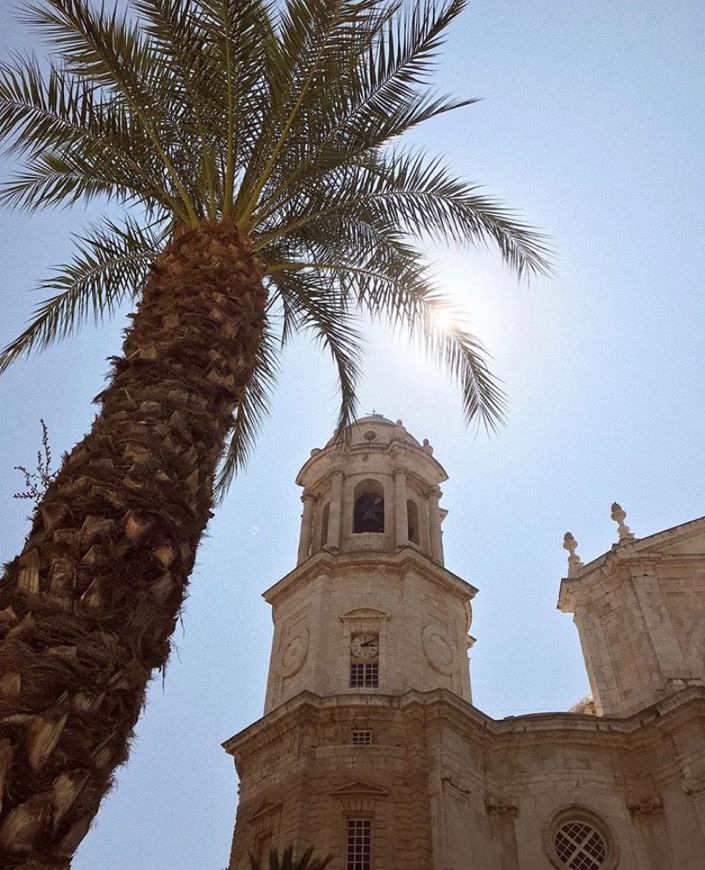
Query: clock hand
(368, 642)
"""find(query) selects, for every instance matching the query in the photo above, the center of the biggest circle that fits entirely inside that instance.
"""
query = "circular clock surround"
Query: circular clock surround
(365, 646)
(294, 654)
(442, 657)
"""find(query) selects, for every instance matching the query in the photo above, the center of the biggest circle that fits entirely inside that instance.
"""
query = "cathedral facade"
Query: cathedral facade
(370, 749)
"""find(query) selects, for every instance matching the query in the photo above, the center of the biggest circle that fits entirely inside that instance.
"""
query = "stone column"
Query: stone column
(503, 815)
(306, 527)
(336, 512)
(434, 522)
(400, 509)
(647, 813)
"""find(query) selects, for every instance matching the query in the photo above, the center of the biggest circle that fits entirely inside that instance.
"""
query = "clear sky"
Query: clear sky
(592, 126)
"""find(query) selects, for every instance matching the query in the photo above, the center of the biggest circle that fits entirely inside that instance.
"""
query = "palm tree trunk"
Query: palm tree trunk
(87, 609)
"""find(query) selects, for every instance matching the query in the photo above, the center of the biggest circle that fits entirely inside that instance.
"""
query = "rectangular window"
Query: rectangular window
(358, 849)
(364, 676)
(362, 738)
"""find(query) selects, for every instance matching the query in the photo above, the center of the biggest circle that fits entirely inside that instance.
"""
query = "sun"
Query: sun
(444, 318)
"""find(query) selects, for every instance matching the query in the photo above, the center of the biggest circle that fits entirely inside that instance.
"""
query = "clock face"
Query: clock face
(365, 646)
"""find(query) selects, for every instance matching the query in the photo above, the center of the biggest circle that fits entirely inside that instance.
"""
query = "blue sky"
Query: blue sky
(591, 126)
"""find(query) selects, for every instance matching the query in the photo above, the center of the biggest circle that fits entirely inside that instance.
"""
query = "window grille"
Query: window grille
(364, 676)
(358, 847)
(580, 847)
(362, 738)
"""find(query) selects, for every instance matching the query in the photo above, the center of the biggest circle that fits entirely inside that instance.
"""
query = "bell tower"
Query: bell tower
(367, 623)
(370, 608)
(370, 750)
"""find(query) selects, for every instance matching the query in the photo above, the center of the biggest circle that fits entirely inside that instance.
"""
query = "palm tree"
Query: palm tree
(255, 146)
(288, 861)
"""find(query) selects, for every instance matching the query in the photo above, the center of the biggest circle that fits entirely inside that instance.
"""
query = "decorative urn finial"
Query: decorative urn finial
(570, 544)
(618, 515)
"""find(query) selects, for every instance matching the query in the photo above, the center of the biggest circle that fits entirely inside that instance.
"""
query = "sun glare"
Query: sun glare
(444, 318)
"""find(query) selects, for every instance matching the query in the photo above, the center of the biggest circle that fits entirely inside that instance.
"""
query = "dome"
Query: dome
(377, 429)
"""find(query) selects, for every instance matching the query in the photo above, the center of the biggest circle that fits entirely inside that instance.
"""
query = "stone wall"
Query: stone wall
(447, 788)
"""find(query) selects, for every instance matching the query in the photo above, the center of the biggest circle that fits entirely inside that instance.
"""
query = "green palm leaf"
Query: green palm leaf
(288, 861)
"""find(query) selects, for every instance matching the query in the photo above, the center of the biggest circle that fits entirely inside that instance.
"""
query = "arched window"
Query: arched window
(368, 512)
(412, 513)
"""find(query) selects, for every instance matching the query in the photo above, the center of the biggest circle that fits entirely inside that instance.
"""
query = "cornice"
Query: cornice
(641, 550)
(443, 707)
(325, 562)
(323, 461)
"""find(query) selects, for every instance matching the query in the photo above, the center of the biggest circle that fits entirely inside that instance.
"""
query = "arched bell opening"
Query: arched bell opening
(412, 514)
(368, 509)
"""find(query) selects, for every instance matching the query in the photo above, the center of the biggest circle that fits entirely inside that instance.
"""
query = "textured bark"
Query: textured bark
(88, 607)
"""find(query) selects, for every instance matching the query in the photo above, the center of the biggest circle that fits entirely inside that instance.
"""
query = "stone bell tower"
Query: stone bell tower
(367, 623)
(369, 748)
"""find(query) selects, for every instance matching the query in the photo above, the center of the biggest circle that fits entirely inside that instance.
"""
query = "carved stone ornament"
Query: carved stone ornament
(442, 657)
(693, 784)
(646, 805)
(501, 809)
(295, 653)
(453, 787)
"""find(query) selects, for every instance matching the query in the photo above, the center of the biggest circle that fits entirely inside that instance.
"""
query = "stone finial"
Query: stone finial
(618, 515)
(570, 544)
(427, 446)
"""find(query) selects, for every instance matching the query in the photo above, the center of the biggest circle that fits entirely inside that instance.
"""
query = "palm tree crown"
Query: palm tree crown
(282, 119)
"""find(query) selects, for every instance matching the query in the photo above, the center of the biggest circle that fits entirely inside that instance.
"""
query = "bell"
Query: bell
(369, 517)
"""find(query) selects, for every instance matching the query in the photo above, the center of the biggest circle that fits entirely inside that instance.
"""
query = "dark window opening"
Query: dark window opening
(412, 513)
(324, 525)
(368, 515)
(362, 738)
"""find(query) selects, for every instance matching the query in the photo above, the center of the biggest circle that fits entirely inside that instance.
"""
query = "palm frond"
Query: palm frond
(464, 359)
(286, 860)
(110, 52)
(392, 283)
(315, 304)
(251, 412)
(422, 195)
(312, 36)
(109, 265)
(377, 95)
(239, 34)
